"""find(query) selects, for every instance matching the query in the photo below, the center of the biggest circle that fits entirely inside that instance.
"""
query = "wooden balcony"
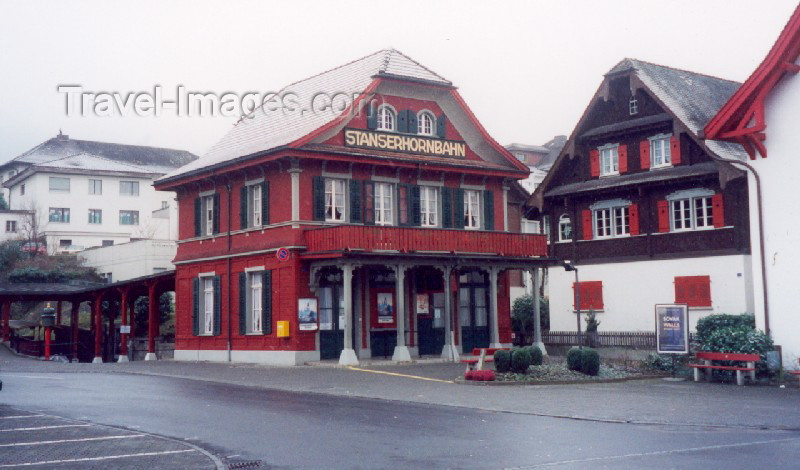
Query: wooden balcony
(376, 239)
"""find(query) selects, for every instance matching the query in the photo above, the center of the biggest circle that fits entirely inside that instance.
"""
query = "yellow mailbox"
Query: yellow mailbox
(283, 329)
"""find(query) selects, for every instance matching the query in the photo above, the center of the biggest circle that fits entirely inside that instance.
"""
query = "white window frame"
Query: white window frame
(335, 187)
(386, 118)
(564, 222)
(609, 219)
(99, 212)
(53, 179)
(207, 207)
(660, 142)
(421, 117)
(472, 209)
(206, 306)
(254, 195)
(611, 153)
(11, 226)
(255, 285)
(633, 106)
(134, 185)
(689, 199)
(65, 215)
(131, 212)
(383, 202)
(95, 187)
(428, 206)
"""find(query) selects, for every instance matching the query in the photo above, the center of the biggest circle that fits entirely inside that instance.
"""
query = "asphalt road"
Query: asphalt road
(306, 430)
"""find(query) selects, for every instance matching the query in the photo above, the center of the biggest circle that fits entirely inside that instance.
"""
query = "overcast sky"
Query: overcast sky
(527, 69)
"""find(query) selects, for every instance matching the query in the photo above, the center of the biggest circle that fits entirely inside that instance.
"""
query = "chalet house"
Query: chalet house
(645, 209)
(771, 97)
(379, 229)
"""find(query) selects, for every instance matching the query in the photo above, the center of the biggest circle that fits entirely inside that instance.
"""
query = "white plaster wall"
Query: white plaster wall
(630, 290)
(780, 178)
(7, 216)
(131, 260)
(277, 358)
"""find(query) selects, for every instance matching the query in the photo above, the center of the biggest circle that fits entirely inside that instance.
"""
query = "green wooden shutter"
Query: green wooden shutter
(441, 126)
(412, 122)
(372, 117)
(415, 206)
(242, 303)
(447, 208)
(196, 306)
(369, 203)
(265, 203)
(217, 305)
(216, 213)
(243, 207)
(266, 302)
(355, 201)
(488, 210)
(458, 208)
(319, 198)
(403, 199)
(402, 121)
(198, 217)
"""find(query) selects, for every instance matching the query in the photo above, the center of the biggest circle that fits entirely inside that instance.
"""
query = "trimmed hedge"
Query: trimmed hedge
(502, 360)
(585, 361)
(520, 360)
(707, 325)
(536, 355)
(574, 359)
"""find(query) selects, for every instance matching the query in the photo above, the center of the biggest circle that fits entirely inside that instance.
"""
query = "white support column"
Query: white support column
(537, 323)
(295, 171)
(401, 352)
(505, 207)
(348, 355)
(449, 350)
(494, 332)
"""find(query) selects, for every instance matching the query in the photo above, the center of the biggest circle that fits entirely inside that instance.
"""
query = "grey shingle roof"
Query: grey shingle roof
(553, 147)
(264, 129)
(93, 163)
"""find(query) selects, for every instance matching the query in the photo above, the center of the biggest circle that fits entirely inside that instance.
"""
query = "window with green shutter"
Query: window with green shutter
(242, 303)
(198, 217)
(318, 197)
(265, 203)
(488, 210)
(196, 306)
(356, 215)
(217, 305)
(447, 208)
(243, 208)
(458, 208)
(266, 303)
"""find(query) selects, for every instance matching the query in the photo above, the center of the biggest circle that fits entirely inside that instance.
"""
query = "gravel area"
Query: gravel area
(559, 372)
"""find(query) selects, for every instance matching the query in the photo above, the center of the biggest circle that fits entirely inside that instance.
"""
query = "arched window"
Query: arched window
(386, 118)
(564, 228)
(425, 123)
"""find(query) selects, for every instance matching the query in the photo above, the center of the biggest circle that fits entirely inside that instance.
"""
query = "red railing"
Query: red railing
(409, 240)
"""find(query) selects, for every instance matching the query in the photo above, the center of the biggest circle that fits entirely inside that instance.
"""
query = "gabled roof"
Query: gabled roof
(149, 159)
(81, 164)
(553, 147)
(742, 119)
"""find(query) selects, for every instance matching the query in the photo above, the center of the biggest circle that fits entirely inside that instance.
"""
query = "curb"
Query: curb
(461, 381)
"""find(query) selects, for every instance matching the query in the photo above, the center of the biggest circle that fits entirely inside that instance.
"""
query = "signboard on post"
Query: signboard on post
(672, 328)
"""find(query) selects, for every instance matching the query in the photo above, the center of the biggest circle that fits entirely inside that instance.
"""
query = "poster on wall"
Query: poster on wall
(307, 314)
(385, 308)
(672, 328)
(423, 308)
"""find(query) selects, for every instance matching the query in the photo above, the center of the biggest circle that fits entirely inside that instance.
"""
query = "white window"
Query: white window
(660, 151)
(11, 226)
(254, 291)
(609, 161)
(429, 206)
(564, 228)
(334, 200)
(520, 156)
(128, 188)
(129, 217)
(386, 118)
(384, 215)
(633, 107)
(59, 214)
(254, 205)
(208, 215)
(472, 211)
(692, 212)
(611, 220)
(95, 216)
(425, 123)
(95, 187)
(207, 310)
(60, 185)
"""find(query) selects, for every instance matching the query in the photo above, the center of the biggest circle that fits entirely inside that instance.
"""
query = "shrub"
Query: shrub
(707, 325)
(536, 355)
(520, 360)
(502, 360)
(592, 322)
(655, 361)
(574, 359)
(739, 339)
(480, 375)
(590, 361)
(469, 375)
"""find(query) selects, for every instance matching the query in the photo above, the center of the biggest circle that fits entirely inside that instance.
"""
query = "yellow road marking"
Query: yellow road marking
(400, 375)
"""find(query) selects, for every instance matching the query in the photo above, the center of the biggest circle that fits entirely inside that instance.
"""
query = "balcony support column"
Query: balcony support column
(537, 322)
(401, 352)
(449, 351)
(348, 355)
(494, 331)
(295, 171)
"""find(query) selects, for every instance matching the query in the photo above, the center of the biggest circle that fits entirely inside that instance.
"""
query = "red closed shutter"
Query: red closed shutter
(633, 217)
(644, 154)
(586, 220)
(622, 153)
(591, 295)
(718, 210)
(675, 150)
(663, 216)
(695, 291)
(594, 162)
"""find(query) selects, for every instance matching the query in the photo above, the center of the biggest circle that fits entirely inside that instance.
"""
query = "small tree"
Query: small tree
(522, 314)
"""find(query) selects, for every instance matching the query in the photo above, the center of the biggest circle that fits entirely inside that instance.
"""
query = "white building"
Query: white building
(12, 224)
(131, 260)
(539, 159)
(83, 194)
(763, 116)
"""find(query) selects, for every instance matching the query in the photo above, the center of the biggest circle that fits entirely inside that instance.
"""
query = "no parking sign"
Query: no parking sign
(282, 254)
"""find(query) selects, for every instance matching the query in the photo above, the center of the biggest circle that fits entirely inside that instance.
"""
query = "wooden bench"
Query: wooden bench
(483, 355)
(709, 358)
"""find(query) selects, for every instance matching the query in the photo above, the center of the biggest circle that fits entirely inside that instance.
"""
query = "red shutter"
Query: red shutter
(622, 153)
(719, 210)
(587, 224)
(663, 216)
(694, 291)
(675, 150)
(594, 162)
(633, 218)
(644, 154)
(591, 295)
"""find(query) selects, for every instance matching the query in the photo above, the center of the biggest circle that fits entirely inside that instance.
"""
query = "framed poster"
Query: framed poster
(307, 314)
(423, 307)
(672, 328)
(385, 308)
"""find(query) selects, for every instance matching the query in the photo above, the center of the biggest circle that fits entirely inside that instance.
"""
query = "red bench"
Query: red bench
(484, 355)
(796, 373)
(709, 358)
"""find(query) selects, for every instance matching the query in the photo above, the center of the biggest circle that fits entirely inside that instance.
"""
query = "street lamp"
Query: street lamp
(571, 267)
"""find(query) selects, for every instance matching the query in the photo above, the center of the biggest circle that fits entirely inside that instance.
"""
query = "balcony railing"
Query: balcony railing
(415, 240)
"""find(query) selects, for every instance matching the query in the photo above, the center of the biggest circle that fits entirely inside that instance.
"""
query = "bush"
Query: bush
(739, 339)
(480, 375)
(707, 325)
(502, 360)
(590, 361)
(536, 355)
(574, 359)
(469, 375)
(520, 360)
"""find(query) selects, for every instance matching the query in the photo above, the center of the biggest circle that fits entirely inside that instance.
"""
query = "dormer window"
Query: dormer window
(386, 118)
(633, 107)
(425, 123)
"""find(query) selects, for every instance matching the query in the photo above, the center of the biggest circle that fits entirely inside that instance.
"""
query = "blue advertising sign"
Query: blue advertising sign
(672, 328)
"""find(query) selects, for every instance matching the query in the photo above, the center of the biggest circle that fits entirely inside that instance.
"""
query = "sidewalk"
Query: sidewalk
(645, 401)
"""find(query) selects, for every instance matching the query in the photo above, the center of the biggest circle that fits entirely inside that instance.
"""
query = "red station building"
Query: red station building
(362, 212)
